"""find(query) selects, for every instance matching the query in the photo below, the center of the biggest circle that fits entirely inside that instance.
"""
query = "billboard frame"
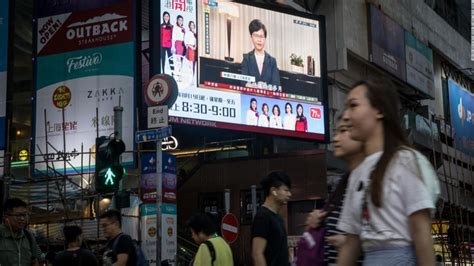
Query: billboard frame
(135, 38)
(155, 40)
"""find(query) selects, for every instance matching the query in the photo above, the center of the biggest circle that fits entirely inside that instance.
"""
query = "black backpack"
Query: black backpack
(211, 250)
(140, 255)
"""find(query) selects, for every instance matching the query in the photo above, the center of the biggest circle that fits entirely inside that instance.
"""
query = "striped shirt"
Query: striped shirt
(330, 251)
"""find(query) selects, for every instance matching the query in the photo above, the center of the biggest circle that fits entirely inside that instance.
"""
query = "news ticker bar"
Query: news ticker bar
(262, 92)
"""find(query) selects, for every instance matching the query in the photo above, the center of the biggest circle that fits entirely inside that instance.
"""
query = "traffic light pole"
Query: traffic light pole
(118, 110)
(157, 135)
(167, 97)
(159, 181)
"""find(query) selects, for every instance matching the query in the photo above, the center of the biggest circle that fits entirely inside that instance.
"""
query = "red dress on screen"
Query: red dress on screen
(190, 42)
(166, 44)
(178, 38)
(166, 33)
(301, 124)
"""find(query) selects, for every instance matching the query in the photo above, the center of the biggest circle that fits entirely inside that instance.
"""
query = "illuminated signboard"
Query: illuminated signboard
(243, 67)
(84, 61)
(461, 102)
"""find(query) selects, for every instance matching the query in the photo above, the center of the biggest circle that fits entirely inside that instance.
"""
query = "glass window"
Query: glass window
(456, 13)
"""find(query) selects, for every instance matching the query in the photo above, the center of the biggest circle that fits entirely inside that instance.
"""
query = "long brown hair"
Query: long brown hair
(383, 96)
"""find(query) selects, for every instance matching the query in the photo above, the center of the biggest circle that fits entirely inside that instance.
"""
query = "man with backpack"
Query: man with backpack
(213, 249)
(17, 245)
(74, 255)
(120, 249)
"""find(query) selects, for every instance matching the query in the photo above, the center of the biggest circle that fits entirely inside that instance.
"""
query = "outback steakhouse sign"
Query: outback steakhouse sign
(97, 29)
(85, 29)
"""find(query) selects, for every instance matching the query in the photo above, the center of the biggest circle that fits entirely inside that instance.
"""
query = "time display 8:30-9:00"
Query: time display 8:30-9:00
(202, 108)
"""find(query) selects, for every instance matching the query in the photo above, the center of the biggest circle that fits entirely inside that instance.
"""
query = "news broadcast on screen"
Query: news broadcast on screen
(242, 67)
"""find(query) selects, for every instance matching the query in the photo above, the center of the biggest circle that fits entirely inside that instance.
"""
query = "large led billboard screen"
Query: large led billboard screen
(243, 67)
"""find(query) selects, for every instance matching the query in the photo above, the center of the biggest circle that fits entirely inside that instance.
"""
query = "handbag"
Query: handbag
(310, 248)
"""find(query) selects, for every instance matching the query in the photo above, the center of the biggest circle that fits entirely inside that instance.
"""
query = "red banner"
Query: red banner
(264, 130)
(86, 29)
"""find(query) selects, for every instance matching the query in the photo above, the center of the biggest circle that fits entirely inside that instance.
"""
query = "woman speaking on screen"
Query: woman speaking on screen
(258, 63)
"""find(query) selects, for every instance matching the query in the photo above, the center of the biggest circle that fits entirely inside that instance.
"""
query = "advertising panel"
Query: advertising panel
(169, 232)
(149, 231)
(149, 178)
(168, 207)
(419, 58)
(87, 29)
(213, 57)
(3, 75)
(81, 82)
(169, 184)
(54, 7)
(387, 46)
(461, 104)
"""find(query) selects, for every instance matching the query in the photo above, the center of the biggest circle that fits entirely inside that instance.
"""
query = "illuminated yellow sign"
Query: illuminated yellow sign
(439, 227)
(23, 155)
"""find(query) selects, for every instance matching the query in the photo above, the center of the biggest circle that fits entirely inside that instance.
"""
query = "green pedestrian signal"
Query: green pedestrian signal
(108, 170)
(109, 177)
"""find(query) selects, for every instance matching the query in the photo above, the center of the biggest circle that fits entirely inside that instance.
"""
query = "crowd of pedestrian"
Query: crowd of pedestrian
(379, 213)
